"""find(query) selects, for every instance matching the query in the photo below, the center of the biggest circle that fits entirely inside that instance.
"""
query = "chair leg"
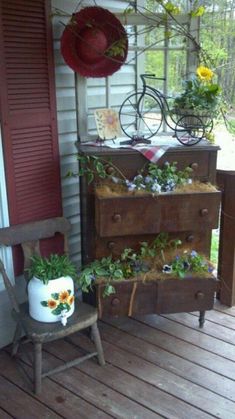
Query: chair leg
(16, 339)
(96, 337)
(37, 367)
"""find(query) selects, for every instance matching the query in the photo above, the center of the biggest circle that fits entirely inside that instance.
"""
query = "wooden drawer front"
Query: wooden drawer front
(163, 296)
(130, 298)
(202, 162)
(194, 294)
(198, 161)
(122, 216)
(104, 246)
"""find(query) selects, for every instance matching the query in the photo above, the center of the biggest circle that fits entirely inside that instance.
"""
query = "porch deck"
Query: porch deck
(157, 366)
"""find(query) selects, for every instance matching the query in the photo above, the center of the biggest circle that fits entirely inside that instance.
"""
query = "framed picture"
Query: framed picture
(107, 123)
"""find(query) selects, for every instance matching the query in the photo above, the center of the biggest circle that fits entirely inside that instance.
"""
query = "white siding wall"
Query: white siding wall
(67, 129)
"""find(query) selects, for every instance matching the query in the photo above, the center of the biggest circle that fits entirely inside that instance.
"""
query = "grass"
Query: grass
(214, 247)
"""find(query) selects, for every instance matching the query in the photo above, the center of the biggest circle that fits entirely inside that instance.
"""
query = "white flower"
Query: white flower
(131, 187)
(167, 269)
(148, 179)
(115, 179)
(156, 188)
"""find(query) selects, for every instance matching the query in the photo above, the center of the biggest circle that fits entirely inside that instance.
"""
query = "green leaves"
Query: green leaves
(52, 267)
(118, 48)
(131, 263)
(189, 262)
(198, 12)
(199, 96)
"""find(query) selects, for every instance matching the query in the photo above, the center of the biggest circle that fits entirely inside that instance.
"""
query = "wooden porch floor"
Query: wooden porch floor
(157, 366)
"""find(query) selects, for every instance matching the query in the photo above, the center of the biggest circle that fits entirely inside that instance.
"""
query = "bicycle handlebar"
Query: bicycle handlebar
(153, 76)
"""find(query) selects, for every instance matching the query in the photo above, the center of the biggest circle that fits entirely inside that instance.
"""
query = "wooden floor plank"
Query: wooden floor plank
(15, 401)
(53, 395)
(190, 335)
(230, 311)
(96, 392)
(178, 387)
(135, 388)
(213, 329)
(182, 368)
(175, 345)
(156, 367)
(220, 318)
(4, 415)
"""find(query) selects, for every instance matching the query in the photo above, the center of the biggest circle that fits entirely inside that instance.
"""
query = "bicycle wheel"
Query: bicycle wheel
(140, 115)
(189, 130)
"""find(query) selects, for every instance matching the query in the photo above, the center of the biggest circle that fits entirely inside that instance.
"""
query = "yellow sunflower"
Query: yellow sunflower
(63, 296)
(52, 304)
(204, 73)
(71, 299)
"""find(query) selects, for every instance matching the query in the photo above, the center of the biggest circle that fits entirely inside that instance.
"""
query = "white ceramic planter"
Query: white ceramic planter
(52, 302)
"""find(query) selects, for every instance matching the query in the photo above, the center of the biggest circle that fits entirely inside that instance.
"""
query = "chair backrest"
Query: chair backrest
(28, 235)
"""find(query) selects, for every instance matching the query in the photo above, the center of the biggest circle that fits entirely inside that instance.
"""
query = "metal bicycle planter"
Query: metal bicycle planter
(144, 111)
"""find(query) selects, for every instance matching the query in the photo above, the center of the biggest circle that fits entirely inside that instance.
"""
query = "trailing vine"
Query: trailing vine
(151, 178)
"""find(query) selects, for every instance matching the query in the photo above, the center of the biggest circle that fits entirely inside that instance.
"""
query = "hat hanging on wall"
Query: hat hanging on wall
(94, 43)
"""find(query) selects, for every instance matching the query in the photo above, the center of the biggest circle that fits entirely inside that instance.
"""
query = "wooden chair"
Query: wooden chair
(85, 316)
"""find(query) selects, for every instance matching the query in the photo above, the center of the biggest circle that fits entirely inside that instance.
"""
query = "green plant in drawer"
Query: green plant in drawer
(157, 260)
(151, 178)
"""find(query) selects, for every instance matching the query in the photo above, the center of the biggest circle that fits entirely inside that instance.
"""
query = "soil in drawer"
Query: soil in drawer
(163, 296)
(170, 212)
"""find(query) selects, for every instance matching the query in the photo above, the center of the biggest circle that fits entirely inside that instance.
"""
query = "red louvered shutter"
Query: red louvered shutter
(28, 111)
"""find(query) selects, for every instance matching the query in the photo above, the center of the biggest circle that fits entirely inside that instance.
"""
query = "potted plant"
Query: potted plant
(200, 98)
(51, 288)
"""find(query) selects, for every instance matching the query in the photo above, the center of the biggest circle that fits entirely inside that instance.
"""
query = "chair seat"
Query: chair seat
(84, 316)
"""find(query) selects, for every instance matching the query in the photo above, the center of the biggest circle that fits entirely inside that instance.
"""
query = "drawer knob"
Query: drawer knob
(111, 245)
(200, 295)
(110, 170)
(204, 212)
(115, 302)
(194, 166)
(117, 218)
(190, 238)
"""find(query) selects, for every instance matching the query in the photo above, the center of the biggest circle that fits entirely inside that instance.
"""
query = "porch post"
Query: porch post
(226, 266)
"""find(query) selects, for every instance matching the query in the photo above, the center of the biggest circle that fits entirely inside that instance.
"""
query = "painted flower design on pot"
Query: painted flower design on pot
(59, 302)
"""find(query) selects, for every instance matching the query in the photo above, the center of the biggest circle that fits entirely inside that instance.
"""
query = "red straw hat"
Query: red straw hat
(94, 43)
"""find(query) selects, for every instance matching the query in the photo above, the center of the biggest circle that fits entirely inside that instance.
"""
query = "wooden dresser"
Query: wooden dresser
(111, 224)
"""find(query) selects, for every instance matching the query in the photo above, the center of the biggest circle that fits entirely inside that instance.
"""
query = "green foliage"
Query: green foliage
(155, 179)
(95, 167)
(188, 262)
(107, 268)
(199, 95)
(214, 248)
(90, 166)
(118, 48)
(152, 178)
(52, 267)
(131, 263)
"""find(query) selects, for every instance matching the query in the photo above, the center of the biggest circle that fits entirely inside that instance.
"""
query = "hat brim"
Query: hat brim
(87, 40)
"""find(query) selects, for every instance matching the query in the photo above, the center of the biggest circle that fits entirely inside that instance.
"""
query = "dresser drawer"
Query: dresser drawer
(160, 296)
(198, 161)
(131, 297)
(189, 294)
(137, 215)
(105, 246)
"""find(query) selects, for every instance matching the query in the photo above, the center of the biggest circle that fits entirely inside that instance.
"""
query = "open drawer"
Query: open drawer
(160, 296)
(145, 214)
